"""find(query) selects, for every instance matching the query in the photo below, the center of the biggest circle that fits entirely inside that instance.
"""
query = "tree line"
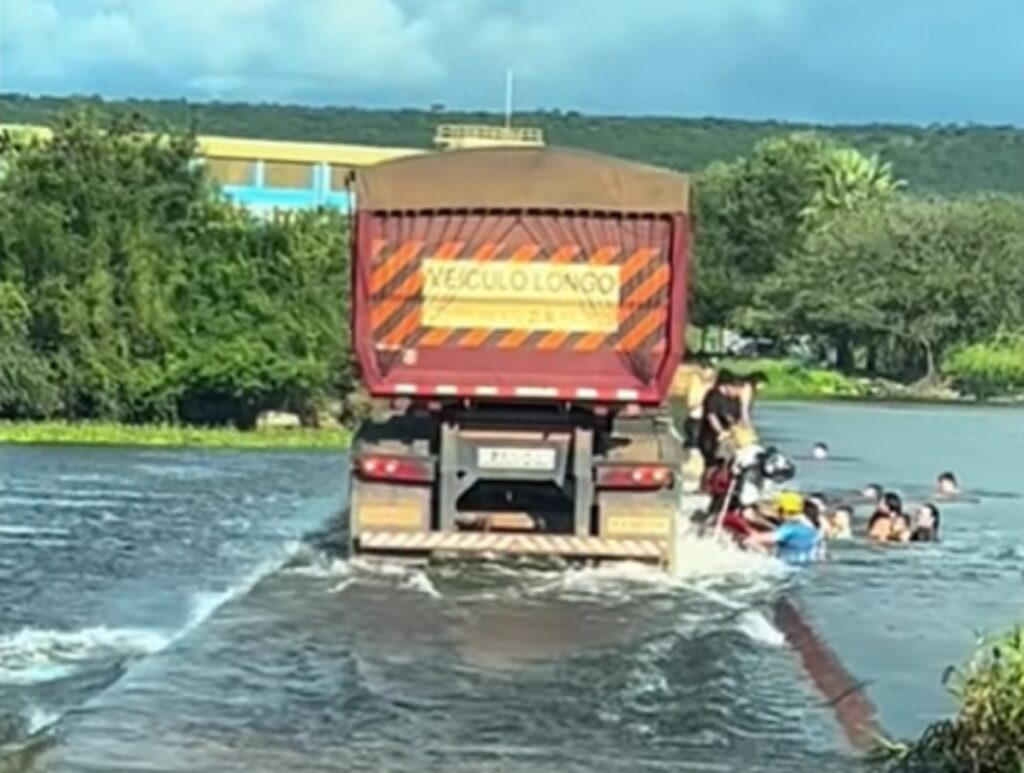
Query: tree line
(937, 159)
(806, 238)
(131, 291)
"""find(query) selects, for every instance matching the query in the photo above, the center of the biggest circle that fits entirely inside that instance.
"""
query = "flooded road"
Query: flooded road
(182, 611)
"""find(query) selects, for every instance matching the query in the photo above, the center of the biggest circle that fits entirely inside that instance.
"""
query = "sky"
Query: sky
(849, 61)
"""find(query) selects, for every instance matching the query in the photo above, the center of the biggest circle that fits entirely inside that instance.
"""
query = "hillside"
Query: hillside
(939, 159)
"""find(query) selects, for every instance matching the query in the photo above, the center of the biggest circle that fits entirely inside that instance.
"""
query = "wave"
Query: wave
(62, 502)
(33, 656)
(206, 603)
(711, 556)
(14, 530)
(50, 672)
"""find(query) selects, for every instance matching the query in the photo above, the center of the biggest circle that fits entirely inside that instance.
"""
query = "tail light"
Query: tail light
(398, 469)
(635, 476)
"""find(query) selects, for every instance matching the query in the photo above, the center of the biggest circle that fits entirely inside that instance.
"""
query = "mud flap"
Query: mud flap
(623, 515)
(376, 507)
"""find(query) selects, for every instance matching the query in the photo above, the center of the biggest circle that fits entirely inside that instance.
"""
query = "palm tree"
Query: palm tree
(848, 180)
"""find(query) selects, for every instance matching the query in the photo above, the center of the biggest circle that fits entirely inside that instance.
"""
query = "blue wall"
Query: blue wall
(256, 197)
(259, 196)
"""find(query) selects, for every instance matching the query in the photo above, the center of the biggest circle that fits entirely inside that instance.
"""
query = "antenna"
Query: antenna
(509, 84)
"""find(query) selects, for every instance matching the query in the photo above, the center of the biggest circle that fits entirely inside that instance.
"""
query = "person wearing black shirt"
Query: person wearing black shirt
(722, 412)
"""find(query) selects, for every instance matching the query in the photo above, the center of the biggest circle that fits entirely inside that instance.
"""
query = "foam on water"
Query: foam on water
(419, 582)
(315, 564)
(40, 721)
(205, 603)
(321, 569)
(716, 556)
(702, 561)
(310, 560)
(15, 530)
(758, 628)
(32, 656)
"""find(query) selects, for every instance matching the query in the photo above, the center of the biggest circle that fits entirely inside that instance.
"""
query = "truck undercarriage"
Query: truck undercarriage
(517, 481)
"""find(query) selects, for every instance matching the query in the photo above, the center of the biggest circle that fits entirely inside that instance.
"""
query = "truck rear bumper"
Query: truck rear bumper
(568, 546)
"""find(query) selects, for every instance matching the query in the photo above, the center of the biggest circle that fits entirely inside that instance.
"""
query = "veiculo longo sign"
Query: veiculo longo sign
(520, 296)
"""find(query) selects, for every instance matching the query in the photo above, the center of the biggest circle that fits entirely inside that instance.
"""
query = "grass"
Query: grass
(793, 380)
(171, 436)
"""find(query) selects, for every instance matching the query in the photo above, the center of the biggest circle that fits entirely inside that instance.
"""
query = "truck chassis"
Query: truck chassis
(516, 481)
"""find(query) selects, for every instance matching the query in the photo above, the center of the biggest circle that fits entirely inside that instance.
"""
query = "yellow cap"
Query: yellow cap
(791, 503)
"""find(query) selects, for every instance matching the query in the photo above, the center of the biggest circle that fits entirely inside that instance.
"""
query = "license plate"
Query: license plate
(516, 458)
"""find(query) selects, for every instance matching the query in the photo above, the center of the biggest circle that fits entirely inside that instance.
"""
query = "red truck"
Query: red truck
(522, 311)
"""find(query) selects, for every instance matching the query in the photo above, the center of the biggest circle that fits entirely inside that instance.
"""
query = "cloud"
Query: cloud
(919, 60)
(251, 49)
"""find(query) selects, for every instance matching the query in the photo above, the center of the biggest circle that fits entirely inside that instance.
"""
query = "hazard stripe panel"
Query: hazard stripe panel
(518, 544)
(396, 286)
(575, 394)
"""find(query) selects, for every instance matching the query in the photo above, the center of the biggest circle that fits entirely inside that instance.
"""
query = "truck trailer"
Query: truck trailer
(521, 312)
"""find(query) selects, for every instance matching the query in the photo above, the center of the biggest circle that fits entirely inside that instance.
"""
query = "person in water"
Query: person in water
(947, 485)
(926, 524)
(820, 452)
(840, 524)
(872, 494)
(888, 523)
(815, 511)
(797, 540)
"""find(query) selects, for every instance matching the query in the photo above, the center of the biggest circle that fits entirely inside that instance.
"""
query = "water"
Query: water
(171, 611)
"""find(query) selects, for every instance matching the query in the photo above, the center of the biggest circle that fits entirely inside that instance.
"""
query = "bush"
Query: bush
(130, 291)
(988, 369)
(987, 734)
(793, 380)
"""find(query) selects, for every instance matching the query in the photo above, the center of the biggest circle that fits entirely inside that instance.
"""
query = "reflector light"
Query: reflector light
(395, 468)
(634, 477)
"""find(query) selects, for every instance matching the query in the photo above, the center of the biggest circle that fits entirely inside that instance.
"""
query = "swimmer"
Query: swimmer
(947, 485)
(926, 524)
(872, 493)
(840, 525)
(820, 452)
(888, 523)
(797, 540)
(816, 509)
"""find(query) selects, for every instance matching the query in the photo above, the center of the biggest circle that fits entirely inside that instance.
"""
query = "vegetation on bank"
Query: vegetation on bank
(987, 733)
(131, 292)
(936, 159)
(989, 369)
(789, 379)
(173, 436)
(804, 240)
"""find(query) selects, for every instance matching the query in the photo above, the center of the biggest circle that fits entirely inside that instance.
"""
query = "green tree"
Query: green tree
(132, 291)
(758, 212)
(848, 180)
(908, 278)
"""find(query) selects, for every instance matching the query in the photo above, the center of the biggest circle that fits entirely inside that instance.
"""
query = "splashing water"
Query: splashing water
(32, 656)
